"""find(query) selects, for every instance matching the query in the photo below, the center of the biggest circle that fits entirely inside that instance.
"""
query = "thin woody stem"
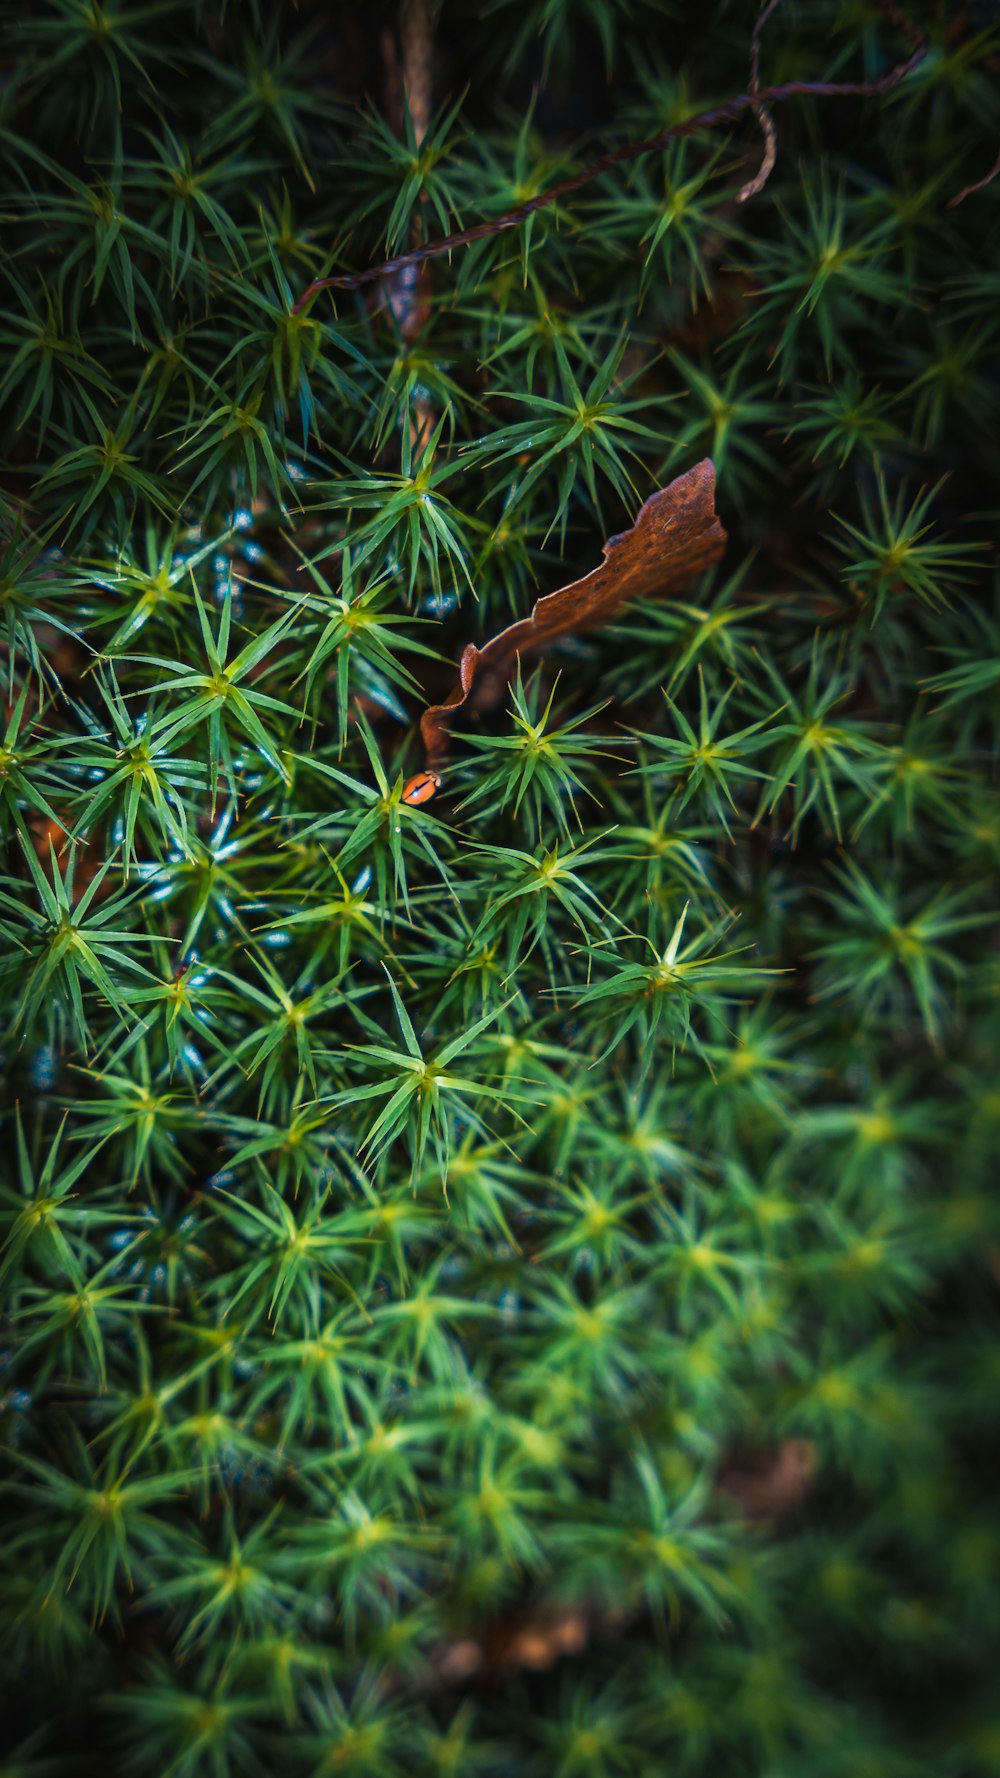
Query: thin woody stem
(763, 116)
(416, 32)
(616, 157)
(977, 185)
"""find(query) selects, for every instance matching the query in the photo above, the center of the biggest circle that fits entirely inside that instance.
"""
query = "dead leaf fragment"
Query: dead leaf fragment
(676, 536)
(533, 1642)
(777, 1484)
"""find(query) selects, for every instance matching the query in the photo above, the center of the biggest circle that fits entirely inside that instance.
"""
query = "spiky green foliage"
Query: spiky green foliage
(429, 1225)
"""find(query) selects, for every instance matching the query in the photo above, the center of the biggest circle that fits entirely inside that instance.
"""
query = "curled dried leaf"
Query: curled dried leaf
(676, 536)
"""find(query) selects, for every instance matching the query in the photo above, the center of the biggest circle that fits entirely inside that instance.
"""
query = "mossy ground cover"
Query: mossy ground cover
(507, 1282)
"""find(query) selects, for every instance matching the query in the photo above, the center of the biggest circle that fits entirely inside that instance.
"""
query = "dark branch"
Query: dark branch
(977, 185)
(716, 114)
(763, 116)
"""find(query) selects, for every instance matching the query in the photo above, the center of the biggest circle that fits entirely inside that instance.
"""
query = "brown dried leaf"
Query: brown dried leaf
(533, 1641)
(777, 1484)
(676, 536)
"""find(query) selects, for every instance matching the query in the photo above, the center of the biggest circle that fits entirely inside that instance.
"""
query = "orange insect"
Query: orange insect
(420, 788)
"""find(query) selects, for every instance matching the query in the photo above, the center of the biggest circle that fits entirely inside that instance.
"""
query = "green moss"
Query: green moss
(504, 1283)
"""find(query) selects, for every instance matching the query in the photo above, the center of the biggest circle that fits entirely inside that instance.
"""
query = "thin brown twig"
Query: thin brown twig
(409, 89)
(977, 185)
(413, 289)
(416, 32)
(630, 151)
(419, 80)
(763, 116)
